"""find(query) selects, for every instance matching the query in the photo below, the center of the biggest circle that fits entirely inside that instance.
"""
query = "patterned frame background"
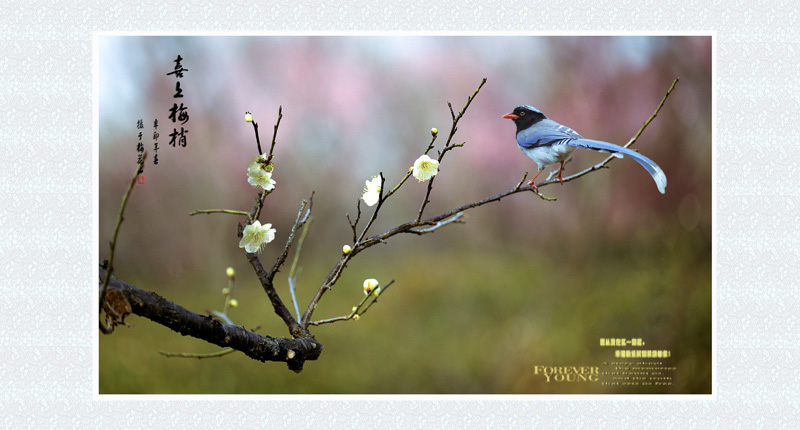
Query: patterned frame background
(48, 320)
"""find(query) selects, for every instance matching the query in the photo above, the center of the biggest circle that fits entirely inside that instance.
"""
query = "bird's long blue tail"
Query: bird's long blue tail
(651, 167)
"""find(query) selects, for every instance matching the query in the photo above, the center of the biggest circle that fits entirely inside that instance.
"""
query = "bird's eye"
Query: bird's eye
(522, 113)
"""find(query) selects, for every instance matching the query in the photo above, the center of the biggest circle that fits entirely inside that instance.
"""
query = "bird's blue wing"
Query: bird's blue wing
(535, 137)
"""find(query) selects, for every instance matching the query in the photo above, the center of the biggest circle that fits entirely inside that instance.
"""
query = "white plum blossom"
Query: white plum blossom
(255, 236)
(372, 191)
(425, 168)
(258, 163)
(260, 176)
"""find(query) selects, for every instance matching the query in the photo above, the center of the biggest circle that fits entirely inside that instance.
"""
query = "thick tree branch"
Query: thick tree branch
(294, 352)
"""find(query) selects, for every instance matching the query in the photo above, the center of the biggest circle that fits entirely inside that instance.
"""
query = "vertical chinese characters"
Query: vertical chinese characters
(155, 141)
(178, 113)
(140, 145)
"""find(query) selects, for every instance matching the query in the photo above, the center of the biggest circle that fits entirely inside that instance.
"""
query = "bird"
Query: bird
(546, 142)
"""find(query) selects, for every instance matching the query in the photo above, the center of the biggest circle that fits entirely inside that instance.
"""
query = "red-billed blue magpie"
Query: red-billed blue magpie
(546, 142)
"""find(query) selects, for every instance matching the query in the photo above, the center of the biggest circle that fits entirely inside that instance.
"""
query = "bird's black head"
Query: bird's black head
(525, 116)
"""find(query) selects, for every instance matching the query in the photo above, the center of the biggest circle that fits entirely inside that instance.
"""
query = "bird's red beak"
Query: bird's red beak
(510, 116)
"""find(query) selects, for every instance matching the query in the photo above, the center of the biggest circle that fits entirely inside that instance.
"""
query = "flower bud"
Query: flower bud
(434, 131)
(234, 303)
(248, 117)
(346, 249)
(355, 317)
(369, 285)
(230, 272)
(225, 291)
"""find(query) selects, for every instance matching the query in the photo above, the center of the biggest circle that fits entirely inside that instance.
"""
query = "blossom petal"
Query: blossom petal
(425, 168)
(372, 191)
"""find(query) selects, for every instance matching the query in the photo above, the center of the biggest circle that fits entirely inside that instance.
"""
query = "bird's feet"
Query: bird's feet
(531, 182)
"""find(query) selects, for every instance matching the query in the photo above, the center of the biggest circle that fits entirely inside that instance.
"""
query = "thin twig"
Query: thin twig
(255, 212)
(275, 133)
(454, 219)
(652, 117)
(375, 298)
(522, 181)
(259, 204)
(426, 199)
(408, 174)
(330, 320)
(356, 308)
(298, 222)
(448, 146)
(225, 211)
(293, 272)
(220, 353)
(120, 217)
(354, 224)
(460, 114)
(399, 184)
(228, 296)
(299, 246)
(258, 141)
(430, 145)
(223, 316)
(336, 272)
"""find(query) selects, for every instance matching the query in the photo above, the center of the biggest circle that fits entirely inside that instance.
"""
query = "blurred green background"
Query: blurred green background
(475, 306)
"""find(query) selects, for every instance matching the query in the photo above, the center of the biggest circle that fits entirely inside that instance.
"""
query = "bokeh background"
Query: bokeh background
(475, 306)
